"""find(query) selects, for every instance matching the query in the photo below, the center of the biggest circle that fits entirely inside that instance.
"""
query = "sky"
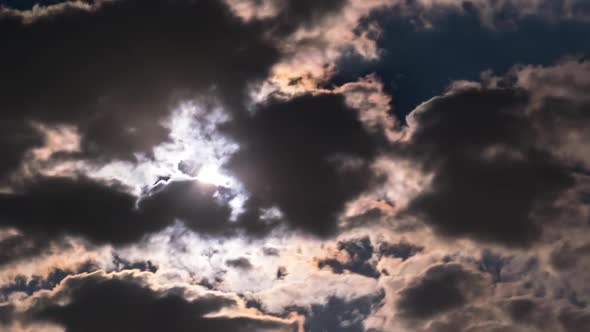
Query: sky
(295, 165)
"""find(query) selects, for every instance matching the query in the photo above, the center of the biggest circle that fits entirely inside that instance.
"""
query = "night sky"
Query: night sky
(295, 165)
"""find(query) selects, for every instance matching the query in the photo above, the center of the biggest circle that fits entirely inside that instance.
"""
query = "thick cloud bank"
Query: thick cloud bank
(294, 165)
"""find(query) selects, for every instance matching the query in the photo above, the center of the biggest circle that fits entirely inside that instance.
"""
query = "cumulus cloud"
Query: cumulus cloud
(50, 207)
(106, 73)
(128, 300)
(17, 246)
(357, 255)
(509, 179)
(307, 156)
(439, 289)
(237, 165)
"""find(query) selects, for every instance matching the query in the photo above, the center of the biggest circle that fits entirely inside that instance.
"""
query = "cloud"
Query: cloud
(30, 10)
(103, 72)
(6, 312)
(341, 315)
(574, 320)
(293, 15)
(367, 95)
(535, 314)
(401, 250)
(286, 14)
(123, 264)
(123, 302)
(357, 255)
(313, 38)
(304, 289)
(407, 44)
(441, 288)
(239, 263)
(15, 246)
(189, 201)
(204, 154)
(521, 309)
(307, 156)
(512, 176)
(29, 286)
(559, 105)
(16, 139)
(349, 35)
(492, 14)
(51, 207)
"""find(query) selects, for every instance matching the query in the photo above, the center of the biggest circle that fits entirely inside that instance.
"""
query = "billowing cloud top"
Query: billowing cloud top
(294, 165)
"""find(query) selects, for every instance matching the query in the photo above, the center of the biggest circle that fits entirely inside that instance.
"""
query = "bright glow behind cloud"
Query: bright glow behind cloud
(212, 175)
(196, 150)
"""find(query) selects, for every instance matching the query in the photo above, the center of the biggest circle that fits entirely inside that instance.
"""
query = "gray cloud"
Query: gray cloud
(99, 303)
(103, 72)
(506, 183)
(441, 288)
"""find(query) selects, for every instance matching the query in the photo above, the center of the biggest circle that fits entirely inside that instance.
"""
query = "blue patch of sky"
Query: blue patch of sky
(418, 63)
(28, 4)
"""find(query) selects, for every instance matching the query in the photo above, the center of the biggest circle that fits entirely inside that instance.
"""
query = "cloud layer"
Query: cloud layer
(255, 165)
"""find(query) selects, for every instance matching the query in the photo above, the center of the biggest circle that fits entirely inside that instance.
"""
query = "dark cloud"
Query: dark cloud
(574, 320)
(124, 264)
(281, 273)
(472, 319)
(270, 251)
(6, 314)
(493, 264)
(191, 202)
(303, 13)
(496, 151)
(16, 138)
(52, 207)
(19, 246)
(521, 309)
(369, 217)
(116, 72)
(48, 208)
(102, 304)
(493, 180)
(524, 313)
(306, 10)
(539, 314)
(359, 252)
(239, 263)
(567, 257)
(401, 250)
(117, 81)
(307, 156)
(441, 288)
